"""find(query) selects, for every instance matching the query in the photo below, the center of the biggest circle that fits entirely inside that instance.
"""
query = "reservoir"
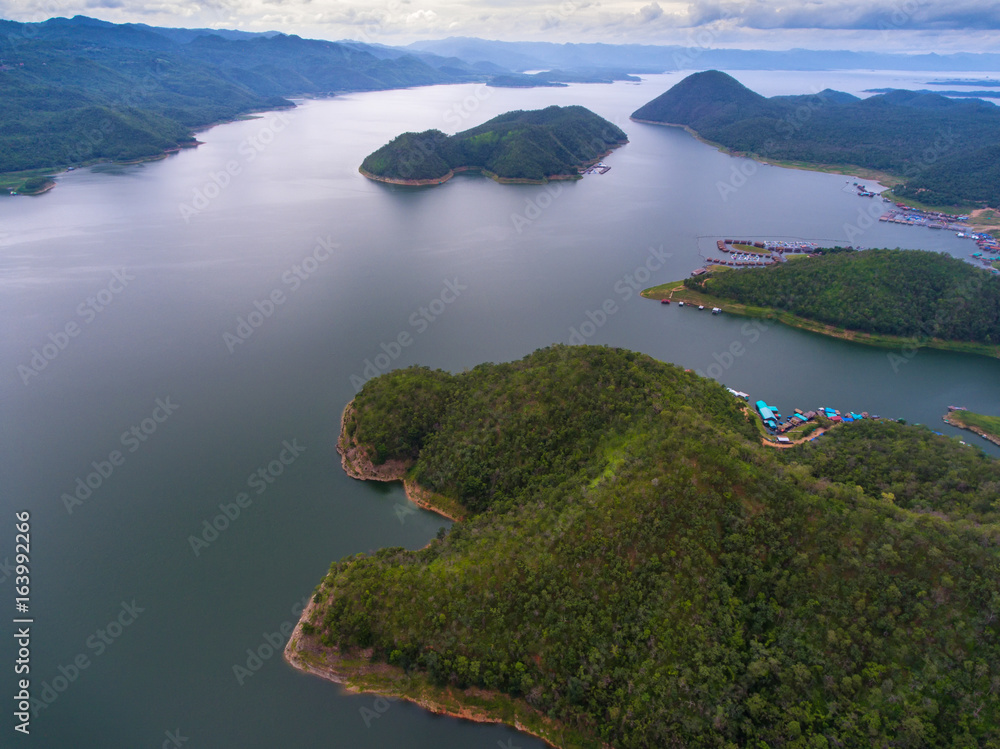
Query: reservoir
(179, 339)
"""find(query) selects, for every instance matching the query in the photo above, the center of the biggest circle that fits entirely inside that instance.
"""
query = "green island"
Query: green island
(522, 146)
(987, 427)
(903, 299)
(635, 569)
(933, 150)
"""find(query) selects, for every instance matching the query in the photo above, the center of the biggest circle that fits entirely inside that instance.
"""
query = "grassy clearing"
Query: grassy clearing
(749, 249)
(14, 180)
(989, 424)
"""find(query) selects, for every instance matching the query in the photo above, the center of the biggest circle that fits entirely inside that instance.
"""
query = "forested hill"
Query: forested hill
(78, 90)
(530, 145)
(638, 570)
(910, 293)
(944, 149)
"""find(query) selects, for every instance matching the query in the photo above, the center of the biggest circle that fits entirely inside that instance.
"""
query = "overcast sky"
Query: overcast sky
(896, 25)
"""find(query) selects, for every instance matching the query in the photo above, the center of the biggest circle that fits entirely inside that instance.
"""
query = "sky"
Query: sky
(883, 25)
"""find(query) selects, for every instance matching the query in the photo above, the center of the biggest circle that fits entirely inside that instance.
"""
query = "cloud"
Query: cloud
(851, 15)
(916, 25)
(650, 12)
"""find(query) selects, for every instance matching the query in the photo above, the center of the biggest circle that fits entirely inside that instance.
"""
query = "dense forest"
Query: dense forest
(944, 149)
(79, 90)
(910, 293)
(521, 145)
(638, 567)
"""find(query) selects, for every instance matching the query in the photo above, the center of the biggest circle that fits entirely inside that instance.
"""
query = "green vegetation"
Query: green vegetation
(36, 185)
(944, 151)
(638, 568)
(519, 146)
(78, 91)
(904, 293)
(988, 426)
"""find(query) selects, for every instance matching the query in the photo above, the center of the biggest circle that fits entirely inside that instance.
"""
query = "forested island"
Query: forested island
(938, 151)
(895, 298)
(636, 570)
(520, 146)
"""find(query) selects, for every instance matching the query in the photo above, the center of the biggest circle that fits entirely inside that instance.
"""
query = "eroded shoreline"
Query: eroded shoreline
(357, 673)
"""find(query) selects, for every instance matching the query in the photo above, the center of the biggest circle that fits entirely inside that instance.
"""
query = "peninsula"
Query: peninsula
(931, 149)
(635, 569)
(987, 427)
(901, 299)
(522, 146)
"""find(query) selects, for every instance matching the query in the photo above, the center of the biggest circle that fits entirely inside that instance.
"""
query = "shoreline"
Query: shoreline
(886, 179)
(452, 172)
(948, 419)
(794, 321)
(159, 156)
(359, 675)
(487, 173)
(356, 673)
(357, 465)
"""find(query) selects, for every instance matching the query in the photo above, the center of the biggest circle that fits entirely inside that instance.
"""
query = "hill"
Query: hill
(942, 150)
(80, 90)
(904, 293)
(638, 570)
(523, 146)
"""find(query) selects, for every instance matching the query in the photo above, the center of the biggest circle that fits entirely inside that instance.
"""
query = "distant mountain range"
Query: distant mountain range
(81, 90)
(645, 58)
(945, 150)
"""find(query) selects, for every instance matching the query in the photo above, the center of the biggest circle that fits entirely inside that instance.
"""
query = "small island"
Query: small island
(902, 299)
(635, 569)
(932, 150)
(532, 146)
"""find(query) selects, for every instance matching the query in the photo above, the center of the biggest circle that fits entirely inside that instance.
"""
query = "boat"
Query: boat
(957, 408)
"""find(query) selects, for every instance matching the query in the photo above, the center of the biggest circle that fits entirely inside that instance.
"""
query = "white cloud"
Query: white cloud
(915, 25)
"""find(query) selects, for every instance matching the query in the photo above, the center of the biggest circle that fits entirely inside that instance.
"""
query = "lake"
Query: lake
(181, 336)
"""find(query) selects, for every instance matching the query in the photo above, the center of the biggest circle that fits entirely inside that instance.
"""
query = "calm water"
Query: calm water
(329, 270)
